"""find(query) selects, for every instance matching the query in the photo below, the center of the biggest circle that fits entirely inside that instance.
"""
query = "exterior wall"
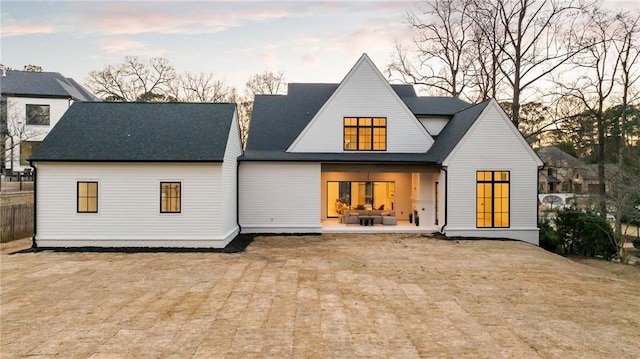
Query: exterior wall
(491, 144)
(16, 123)
(279, 197)
(423, 198)
(402, 203)
(434, 124)
(129, 206)
(229, 197)
(364, 92)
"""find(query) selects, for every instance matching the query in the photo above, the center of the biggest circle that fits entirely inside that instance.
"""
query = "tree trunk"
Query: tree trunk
(601, 173)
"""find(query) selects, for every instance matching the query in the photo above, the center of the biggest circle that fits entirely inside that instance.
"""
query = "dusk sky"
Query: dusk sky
(308, 41)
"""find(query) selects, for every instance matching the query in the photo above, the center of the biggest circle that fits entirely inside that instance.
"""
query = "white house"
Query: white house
(138, 175)
(458, 168)
(322, 157)
(31, 105)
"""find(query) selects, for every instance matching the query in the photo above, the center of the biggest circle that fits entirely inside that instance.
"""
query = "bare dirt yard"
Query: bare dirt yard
(331, 296)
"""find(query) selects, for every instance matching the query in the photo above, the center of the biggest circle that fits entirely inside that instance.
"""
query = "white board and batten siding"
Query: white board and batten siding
(129, 206)
(280, 197)
(363, 93)
(492, 144)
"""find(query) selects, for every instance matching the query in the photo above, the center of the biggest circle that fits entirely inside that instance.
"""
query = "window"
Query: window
(26, 150)
(359, 195)
(170, 197)
(492, 198)
(365, 134)
(87, 197)
(38, 115)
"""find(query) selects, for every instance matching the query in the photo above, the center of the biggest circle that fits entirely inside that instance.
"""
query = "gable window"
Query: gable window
(492, 199)
(87, 197)
(38, 115)
(170, 197)
(365, 133)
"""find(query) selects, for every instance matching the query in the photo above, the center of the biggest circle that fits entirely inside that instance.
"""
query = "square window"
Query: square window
(365, 134)
(38, 115)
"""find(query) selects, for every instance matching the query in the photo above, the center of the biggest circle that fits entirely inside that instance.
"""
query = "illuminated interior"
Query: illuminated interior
(359, 195)
(492, 203)
(170, 197)
(365, 134)
(87, 197)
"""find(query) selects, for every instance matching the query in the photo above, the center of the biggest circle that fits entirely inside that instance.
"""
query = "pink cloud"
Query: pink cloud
(310, 60)
(128, 47)
(18, 29)
(180, 18)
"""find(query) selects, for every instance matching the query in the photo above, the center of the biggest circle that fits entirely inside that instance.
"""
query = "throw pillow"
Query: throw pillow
(385, 213)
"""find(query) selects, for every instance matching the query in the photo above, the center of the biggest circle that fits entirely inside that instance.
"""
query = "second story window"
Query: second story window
(365, 133)
(38, 115)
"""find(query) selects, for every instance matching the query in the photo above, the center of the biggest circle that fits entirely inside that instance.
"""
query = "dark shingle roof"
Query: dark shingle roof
(139, 132)
(453, 132)
(43, 84)
(552, 155)
(277, 120)
(435, 106)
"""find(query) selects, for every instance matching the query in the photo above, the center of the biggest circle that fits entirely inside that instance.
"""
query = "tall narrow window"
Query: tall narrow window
(492, 199)
(170, 197)
(87, 197)
(365, 134)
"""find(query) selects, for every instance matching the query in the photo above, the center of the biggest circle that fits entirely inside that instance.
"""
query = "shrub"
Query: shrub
(585, 234)
(548, 237)
(636, 242)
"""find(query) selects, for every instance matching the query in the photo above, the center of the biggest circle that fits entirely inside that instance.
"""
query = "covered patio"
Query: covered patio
(333, 225)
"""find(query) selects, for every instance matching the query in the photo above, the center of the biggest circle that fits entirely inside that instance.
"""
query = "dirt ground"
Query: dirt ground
(332, 296)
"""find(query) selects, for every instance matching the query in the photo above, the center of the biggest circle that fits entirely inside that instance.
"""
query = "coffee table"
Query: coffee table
(366, 220)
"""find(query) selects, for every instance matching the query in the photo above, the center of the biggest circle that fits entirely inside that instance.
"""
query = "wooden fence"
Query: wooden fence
(16, 221)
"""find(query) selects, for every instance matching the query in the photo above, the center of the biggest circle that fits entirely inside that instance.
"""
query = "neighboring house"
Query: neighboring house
(461, 169)
(563, 173)
(138, 175)
(31, 104)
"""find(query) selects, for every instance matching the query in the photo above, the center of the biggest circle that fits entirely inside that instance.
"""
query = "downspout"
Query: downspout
(238, 195)
(446, 196)
(538, 198)
(34, 245)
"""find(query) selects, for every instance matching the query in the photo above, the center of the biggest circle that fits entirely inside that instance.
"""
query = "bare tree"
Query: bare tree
(443, 56)
(265, 83)
(532, 39)
(623, 198)
(200, 87)
(627, 46)
(14, 131)
(133, 80)
(598, 67)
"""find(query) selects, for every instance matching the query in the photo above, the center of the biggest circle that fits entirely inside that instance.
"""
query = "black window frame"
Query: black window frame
(78, 183)
(179, 197)
(32, 114)
(493, 181)
(372, 127)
